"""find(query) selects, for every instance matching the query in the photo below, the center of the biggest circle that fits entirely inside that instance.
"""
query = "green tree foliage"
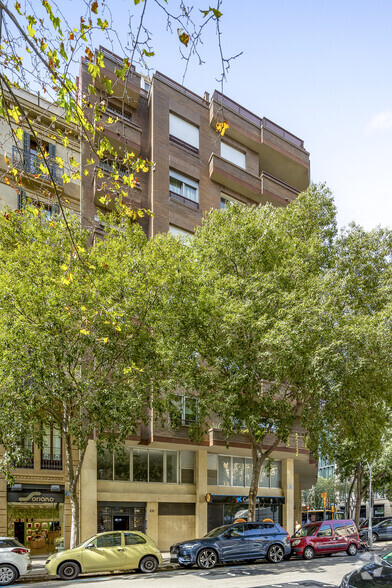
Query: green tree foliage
(334, 488)
(79, 335)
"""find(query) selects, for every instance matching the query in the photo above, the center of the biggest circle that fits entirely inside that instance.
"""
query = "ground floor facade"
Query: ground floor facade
(172, 490)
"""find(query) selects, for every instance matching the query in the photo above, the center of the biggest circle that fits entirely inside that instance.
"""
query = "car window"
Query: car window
(252, 530)
(9, 543)
(351, 530)
(306, 531)
(216, 532)
(325, 531)
(237, 531)
(133, 539)
(109, 540)
(339, 530)
(384, 524)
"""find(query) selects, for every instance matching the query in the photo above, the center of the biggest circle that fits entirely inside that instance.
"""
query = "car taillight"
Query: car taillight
(20, 550)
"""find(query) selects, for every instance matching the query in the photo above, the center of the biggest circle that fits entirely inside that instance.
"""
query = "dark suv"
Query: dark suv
(241, 541)
(381, 530)
(325, 538)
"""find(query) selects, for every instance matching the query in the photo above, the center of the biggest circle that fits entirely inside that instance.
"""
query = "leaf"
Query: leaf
(31, 31)
(94, 70)
(94, 7)
(89, 53)
(91, 89)
(221, 127)
(17, 8)
(184, 38)
(62, 52)
(148, 54)
(71, 37)
(100, 60)
(19, 133)
(84, 332)
(217, 13)
(103, 24)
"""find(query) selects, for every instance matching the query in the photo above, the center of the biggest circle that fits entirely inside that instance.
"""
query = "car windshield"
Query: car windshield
(306, 531)
(218, 531)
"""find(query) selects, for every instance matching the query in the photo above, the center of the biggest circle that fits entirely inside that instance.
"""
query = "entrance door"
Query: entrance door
(19, 532)
(121, 523)
(138, 516)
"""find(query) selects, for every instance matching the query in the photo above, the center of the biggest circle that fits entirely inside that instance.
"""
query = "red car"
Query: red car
(325, 538)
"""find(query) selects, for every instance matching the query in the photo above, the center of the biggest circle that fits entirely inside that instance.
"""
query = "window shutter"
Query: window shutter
(52, 150)
(26, 150)
(51, 163)
(54, 209)
(22, 199)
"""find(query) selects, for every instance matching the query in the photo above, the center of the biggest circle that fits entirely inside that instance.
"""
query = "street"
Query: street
(325, 571)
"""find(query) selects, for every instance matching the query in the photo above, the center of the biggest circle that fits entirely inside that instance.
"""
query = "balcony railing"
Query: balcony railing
(225, 102)
(183, 200)
(51, 464)
(30, 163)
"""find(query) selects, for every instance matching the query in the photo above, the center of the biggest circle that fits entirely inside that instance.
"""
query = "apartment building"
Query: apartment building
(160, 482)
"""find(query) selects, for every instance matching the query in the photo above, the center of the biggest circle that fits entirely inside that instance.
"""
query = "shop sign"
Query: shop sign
(36, 497)
(262, 501)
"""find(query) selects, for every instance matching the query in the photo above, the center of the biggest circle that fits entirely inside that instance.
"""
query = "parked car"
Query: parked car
(364, 524)
(240, 541)
(376, 573)
(325, 538)
(380, 531)
(106, 552)
(14, 560)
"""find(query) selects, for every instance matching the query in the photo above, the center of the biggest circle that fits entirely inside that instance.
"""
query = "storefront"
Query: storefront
(121, 516)
(224, 510)
(35, 516)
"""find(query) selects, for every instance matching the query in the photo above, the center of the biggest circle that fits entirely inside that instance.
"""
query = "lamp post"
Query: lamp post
(370, 526)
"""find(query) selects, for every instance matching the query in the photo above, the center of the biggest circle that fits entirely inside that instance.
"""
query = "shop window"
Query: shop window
(51, 453)
(276, 475)
(183, 189)
(183, 133)
(248, 471)
(234, 155)
(238, 471)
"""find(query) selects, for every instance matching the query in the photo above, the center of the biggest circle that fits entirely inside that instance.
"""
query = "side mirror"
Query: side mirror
(90, 546)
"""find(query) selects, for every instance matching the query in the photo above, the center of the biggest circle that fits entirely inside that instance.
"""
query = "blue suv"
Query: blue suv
(240, 541)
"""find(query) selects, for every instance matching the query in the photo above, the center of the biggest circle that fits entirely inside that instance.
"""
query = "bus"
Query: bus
(311, 516)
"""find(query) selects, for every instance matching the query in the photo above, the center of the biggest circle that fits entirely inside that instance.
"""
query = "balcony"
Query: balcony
(29, 162)
(104, 187)
(281, 153)
(128, 89)
(235, 178)
(123, 133)
(265, 188)
(51, 464)
(179, 198)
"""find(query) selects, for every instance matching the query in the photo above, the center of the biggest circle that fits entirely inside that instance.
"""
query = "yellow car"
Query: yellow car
(106, 552)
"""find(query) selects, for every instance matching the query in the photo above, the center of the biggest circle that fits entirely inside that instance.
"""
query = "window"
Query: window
(237, 471)
(133, 539)
(234, 155)
(185, 409)
(351, 530)
(339, 530)
(226, 201)
(105, 465)
(29, 158)
(121, 464)
(187, 467)
(140, 465)
(109, 540)
(181, 234)
(325, 531)
(183, 133)
(51, 454)
(183, 189)
(118, 112)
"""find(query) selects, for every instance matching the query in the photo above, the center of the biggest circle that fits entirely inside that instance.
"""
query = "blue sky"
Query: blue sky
(321, 69)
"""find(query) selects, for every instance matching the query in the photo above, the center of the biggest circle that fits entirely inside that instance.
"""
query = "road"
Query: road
(317, 573)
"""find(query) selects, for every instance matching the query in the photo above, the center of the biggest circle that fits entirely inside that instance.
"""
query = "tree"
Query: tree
(253, 313)
(333, 487)
(78, 335)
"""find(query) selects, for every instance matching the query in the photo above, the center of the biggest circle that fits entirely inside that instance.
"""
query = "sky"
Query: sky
(319, 68)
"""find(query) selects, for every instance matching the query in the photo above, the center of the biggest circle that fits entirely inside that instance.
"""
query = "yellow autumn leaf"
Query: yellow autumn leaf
(84, 332)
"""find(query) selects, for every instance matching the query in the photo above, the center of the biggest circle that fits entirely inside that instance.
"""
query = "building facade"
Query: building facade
(160, 482)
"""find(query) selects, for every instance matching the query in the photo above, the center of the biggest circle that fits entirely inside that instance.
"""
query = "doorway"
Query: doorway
(121, 523)
(19, 532)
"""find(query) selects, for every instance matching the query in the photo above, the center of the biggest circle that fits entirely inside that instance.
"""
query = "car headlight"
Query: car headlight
(296, 542)
(186, 546)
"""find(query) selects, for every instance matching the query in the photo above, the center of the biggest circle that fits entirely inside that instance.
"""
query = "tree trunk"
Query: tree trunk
(258, 458)
(73, 475)
(348, 499)
(359, 474)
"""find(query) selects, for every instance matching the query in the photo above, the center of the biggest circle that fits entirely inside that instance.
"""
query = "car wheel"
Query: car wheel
(148, 564)
(207, 559)
(8, 574)
(374, 537)
(308, 553)
(352, 549)
(275, 554)
(69, 570)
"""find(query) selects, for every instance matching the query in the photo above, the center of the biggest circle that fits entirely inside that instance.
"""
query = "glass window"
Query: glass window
(51, 444)
(252, 530)
(325, 531)
(248, 471)
(155, 468)
(264, 477)
(190, 409)
(105, 465)
(187, 467)
(183, 186)
(339, 530)
(140, 465)
(238, 471)
(171, 467)
(351, 530)
(121, 464)
(234, 155)
(133, 539)
(183, 130)
(226, 201)
(276, 475)
(109, 540)
(180, 233)
(224, 470)
(306, 531)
